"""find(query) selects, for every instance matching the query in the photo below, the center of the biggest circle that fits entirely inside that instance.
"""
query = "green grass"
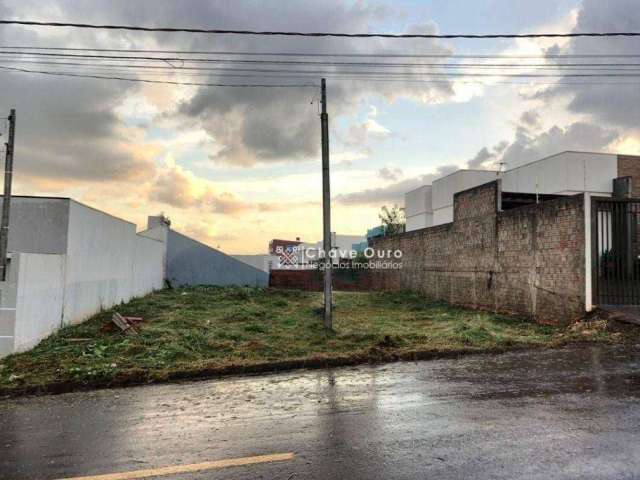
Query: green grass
(215, 327)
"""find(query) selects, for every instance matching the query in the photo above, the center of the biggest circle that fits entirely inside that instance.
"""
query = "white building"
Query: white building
(565, 173)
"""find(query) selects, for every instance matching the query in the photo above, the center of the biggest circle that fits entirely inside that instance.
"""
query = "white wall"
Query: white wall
(564, 173)
(40, 297)
(99, 262)
(417, 208)
(422, 220)
(107, 263)
(443, 190)
(100, 253)
(147, 268)
(38, 224)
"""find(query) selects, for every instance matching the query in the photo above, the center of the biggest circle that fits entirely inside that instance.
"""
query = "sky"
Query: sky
(235, 167)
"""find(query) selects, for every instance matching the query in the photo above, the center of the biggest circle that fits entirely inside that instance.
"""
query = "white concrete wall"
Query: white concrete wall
(8, 301)
(564, 173)
(444, 188)
(40, 298)
(100, 253)
(418, 209)
(31, 300)
(422, 220)
(38, 224)
(103, 262)
(107, 263)
(147, 268)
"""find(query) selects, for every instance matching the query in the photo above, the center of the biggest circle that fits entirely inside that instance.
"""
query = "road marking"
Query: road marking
(191, 468)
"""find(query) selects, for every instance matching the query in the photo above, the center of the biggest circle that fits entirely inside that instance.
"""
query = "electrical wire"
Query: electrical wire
(104, 77)
(627, 67)
(33, 23)
(312, 63)
(384, 79)
(324, 54)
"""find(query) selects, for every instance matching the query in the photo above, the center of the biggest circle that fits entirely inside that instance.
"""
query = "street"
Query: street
(570, 413)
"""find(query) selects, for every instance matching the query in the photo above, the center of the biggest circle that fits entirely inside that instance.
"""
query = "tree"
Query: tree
(392, 219)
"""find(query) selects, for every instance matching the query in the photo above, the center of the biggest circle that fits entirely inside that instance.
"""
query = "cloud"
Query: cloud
(181, 189)
(281, 125)
(608, 100)
(579, 136)
(530, 119)
(528, 145)
(390, 173)
(394, 193)
(531, 143)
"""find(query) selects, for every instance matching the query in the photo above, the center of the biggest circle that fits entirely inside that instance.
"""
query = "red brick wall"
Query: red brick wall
(312, 280)
(528, 261)
(629, 166)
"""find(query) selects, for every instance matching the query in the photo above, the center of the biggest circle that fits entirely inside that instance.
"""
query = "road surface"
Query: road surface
(572, 413)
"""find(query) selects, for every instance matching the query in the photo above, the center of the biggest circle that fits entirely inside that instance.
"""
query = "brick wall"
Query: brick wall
(629, 166)
(527, 261)
(312, 280)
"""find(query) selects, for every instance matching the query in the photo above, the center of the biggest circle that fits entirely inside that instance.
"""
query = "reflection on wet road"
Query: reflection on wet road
(570, 413)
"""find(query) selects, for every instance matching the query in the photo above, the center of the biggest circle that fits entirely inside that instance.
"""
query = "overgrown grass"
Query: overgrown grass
(211, 327)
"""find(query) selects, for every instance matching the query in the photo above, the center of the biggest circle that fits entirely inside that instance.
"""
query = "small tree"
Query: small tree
(392, 219)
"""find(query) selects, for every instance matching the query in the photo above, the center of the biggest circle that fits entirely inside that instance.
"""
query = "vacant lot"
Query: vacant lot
(210, 331)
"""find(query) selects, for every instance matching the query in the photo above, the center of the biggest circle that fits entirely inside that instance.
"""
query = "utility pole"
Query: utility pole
(6, 204)
(326, 207)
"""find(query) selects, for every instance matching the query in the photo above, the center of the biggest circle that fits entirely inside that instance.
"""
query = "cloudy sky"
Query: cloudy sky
(236, 167)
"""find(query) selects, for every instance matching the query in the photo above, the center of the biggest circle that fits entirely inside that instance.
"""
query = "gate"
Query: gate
(616, 251)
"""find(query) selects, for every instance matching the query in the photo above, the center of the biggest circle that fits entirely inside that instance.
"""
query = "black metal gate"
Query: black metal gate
(616, 251)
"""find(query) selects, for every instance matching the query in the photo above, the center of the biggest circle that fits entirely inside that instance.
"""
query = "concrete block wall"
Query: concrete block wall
(312, 280)
(527, 261)
(629, 166)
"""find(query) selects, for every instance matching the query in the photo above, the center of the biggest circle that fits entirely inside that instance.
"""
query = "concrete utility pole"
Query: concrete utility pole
(326, 207)
(6, 204)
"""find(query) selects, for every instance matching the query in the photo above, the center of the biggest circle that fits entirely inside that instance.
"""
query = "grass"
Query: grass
(211, 330)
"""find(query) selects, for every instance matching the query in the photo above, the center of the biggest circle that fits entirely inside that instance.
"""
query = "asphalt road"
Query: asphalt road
(549, 414)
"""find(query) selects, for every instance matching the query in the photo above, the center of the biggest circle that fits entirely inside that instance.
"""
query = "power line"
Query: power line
(400, 74)
(104, 77)
(540, 66)
(172, 60)
(381, 78)
(315, 34)
(325, 54)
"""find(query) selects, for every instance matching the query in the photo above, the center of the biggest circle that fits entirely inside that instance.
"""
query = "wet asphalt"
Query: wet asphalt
(571, 413)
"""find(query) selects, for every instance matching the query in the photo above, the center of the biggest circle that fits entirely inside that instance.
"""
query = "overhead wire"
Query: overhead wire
(324, 54)
(105, 77)
(139, 28)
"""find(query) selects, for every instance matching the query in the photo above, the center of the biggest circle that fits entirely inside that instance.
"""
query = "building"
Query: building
(278, 245)
(549, 240)
(565, 173)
